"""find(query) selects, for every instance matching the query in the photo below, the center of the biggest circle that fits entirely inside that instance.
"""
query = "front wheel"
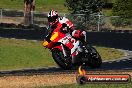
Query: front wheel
(59, 58)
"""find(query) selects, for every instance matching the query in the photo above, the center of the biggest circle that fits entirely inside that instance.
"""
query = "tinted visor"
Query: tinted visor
(52, 19)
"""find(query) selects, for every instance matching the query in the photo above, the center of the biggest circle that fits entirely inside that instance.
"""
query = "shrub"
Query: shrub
(123, 9)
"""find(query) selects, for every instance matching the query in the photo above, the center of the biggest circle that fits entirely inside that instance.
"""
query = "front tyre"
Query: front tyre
(59, 58)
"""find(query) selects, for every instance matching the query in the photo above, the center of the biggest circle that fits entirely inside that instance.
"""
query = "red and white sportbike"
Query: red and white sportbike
(68, 52)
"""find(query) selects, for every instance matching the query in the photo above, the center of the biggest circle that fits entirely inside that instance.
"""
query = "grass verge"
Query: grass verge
(18, 54)
(41, 5)
(109, 53)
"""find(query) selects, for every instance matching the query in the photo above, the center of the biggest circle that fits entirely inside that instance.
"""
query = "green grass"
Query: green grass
(109, 53)
(41, 5)
(18, 54)
(127, 85)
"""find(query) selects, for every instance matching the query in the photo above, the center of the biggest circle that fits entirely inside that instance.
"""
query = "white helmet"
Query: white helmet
(52, 17)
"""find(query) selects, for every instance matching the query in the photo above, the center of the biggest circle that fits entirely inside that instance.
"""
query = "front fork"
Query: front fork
(63, 50)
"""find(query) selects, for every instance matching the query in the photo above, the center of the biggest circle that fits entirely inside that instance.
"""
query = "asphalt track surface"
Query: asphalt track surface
(121, 64)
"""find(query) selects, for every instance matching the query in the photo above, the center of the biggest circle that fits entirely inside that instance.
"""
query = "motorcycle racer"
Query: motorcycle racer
(64, 25)
(68, 46)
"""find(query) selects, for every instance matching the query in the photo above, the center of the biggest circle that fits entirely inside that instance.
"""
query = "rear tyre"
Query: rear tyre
(59, 58)
(95, 60)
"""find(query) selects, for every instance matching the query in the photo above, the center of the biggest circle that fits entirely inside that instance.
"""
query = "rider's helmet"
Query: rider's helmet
(53, 17)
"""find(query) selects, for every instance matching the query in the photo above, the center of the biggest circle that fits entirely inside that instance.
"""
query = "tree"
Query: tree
(123, 9)
(106, 1)
(82, 10)
(83, 6)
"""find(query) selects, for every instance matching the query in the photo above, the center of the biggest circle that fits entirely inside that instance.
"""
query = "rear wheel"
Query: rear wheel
(95, 60)
(59, 58)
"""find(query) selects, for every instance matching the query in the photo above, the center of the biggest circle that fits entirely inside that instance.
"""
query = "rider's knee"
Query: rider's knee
(79, 34)
(76, 33)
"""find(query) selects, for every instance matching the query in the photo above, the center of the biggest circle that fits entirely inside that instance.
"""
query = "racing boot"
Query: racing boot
(82, 37)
